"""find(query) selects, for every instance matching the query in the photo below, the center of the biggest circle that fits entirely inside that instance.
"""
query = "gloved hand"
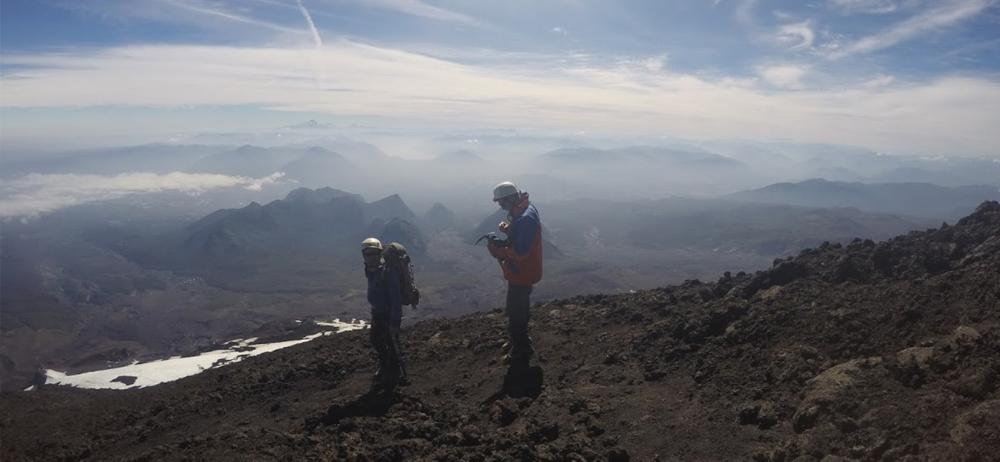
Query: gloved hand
(504, 227)
(494, 249)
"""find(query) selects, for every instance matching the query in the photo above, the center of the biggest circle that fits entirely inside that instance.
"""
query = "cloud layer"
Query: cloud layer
(33, 194)
(622, 97)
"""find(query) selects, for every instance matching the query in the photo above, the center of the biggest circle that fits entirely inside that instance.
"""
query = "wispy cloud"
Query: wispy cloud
(624, 97)
(796, 36)
(421, 9)
(871, 6)
(220, 13)
(32, 194)
(312, 26)
(944, 15)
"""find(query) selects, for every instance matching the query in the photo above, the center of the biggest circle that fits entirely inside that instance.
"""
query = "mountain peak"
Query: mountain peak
(250, 148)
(319, 195)
(987, 213)
(319, 150)
(387, 208)
(440, 217)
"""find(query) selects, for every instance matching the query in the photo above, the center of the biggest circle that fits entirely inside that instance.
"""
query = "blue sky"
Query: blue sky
(896, 75)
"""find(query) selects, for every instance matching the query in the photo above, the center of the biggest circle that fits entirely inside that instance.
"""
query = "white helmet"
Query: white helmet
(503, 190)
(371, 243)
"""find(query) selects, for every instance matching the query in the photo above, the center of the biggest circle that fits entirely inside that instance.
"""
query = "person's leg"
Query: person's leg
(518, 304)
(378, 333)
(395, 321)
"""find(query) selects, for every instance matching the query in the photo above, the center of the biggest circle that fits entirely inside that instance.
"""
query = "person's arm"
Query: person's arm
(526, 231)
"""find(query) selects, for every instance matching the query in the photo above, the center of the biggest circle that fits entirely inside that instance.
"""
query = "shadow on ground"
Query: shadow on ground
(520, 382)
(375, 403)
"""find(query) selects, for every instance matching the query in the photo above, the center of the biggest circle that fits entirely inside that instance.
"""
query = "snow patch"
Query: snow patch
(177, 367)
(343, 326)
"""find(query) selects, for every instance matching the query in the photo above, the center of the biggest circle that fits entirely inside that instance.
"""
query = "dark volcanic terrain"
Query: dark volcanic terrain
(868, 351)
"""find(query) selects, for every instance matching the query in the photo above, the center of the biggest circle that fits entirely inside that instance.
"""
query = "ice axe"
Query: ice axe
(494, 239)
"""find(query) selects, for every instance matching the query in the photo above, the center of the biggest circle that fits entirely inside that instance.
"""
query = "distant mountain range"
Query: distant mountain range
(324, 220)
(655, 170)
(320, 195)
(914, 199)
(634, 172)
(648, 155)
(723, 226)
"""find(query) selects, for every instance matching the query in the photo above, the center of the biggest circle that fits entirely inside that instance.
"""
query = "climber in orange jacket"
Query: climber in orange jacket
(521, 261)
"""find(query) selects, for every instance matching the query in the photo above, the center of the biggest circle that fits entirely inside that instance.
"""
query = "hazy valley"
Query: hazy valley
(139, 274)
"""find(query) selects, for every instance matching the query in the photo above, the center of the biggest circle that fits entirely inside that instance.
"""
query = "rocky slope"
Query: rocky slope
(869, 351)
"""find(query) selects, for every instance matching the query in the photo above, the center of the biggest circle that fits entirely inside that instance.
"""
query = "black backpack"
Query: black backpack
(396, 258)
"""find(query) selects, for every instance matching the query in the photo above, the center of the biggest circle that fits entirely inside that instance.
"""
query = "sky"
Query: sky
(897, 76)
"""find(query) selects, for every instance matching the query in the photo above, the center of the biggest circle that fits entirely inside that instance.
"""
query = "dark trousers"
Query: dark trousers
(384, 335)
(518, 312)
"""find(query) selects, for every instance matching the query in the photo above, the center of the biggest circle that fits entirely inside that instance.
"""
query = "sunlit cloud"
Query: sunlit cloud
(33, 194)
(624, 97)
(783, 76)
(879, 81)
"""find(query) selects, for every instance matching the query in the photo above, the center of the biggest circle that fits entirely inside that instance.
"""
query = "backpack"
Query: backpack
(395, 257)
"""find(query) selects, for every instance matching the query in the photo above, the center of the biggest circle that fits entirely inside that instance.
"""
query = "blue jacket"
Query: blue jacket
(522, 261)
(383, 289)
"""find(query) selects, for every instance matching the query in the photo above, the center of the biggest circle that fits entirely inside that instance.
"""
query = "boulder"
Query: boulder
(965, 335)
(823, 391)
(920, 356)
(978, 425)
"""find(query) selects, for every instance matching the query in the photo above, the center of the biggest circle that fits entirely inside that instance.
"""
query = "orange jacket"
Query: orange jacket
(522, 260)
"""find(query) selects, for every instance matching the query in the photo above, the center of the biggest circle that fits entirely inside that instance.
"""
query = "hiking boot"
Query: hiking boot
(387, 377)
(513, 359)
